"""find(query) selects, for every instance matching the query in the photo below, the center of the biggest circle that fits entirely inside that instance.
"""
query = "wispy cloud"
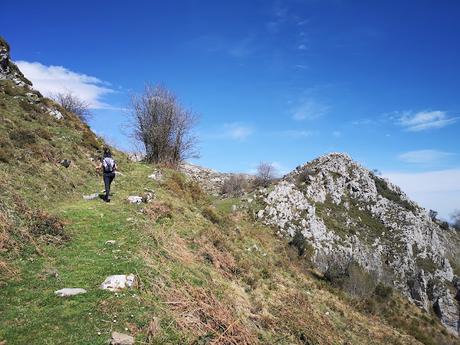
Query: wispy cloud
(58, 79)
(237, 131)
(309, 109)
(424, 120)
(438, 190)
(424, 156)
(337, 134)
(302, 47)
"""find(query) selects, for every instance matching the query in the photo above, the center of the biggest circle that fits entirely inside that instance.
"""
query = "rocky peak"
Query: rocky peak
(8, 70)
(344, 210)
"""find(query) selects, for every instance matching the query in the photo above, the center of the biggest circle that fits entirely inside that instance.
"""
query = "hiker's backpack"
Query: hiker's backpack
(109, 164)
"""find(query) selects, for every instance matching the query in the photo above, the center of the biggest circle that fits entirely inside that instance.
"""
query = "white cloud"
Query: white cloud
(57, 79)
(425, 120)
(237, 131)
(302, 47)
(309, 109)
(437, 190)
(337, 134)
(424, 156)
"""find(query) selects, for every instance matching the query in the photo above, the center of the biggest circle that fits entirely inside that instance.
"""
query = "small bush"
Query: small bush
(235, 185)
(299, 242)
(304, 176)
(211, 214)
(23, 137)
(383, 291)
(158, 210)
(46, 225)
(349, 276)
(43, 133)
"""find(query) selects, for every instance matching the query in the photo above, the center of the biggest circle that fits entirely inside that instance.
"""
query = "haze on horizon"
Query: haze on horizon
(277, 81)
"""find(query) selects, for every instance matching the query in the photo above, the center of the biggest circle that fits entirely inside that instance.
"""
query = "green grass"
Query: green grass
(29, 311)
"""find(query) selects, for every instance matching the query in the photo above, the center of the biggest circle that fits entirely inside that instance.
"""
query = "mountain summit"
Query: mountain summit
(349, 214)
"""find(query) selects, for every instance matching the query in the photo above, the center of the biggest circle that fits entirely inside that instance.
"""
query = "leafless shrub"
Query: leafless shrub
(265, 174)
(433, 215)
(235, 185)
(163, 126)
(73, 104)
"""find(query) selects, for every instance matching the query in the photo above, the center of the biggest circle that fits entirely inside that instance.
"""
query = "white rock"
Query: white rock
(121, 339)
(91, 196)
(67, 292)
(55, 113)
(134, 199)
(110, 242)
(118, 282)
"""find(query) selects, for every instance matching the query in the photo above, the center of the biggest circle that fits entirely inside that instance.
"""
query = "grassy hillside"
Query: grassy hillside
(206, 276)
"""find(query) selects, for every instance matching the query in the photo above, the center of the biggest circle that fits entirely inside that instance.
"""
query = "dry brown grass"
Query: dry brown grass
(157, 210)
(199, 312)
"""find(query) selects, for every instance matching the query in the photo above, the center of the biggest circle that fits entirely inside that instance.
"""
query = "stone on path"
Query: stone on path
(134, 199)
(118, 282)
(121, 339)
(67, 292)
(91, 196)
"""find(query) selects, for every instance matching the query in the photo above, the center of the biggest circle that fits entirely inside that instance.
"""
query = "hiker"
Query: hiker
(109, 166)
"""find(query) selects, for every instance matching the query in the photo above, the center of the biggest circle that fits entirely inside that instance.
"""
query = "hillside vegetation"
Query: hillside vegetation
(206, 273)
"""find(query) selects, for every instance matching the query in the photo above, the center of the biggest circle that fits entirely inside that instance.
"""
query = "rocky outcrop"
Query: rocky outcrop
(343, 209)
(8, 70)
(12, 77)
(210, 180)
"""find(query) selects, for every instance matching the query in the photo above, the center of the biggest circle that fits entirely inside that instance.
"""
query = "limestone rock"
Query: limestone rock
(8, 70)
(110, 242)
(157, 175)
(91, 196)
(68, 292)
(210, 180)
(343, 209)
(118, 282)
(121, 339)
(134, 199)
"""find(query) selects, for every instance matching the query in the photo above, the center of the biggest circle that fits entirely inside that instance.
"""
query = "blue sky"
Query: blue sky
(277, 81)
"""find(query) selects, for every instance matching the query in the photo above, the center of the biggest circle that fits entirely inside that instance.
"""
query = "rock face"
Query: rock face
(210, 180)
(8, 70)
(344, 210)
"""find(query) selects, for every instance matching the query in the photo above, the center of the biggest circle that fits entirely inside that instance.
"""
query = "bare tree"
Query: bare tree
(163, 126)
(265, 174)
(73, 104)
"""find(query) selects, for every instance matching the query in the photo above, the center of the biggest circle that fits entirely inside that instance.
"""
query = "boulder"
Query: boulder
(121, 339)
(134, 199)
(118, 282)
(110, 242)
(91, 196)
(68, 292)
